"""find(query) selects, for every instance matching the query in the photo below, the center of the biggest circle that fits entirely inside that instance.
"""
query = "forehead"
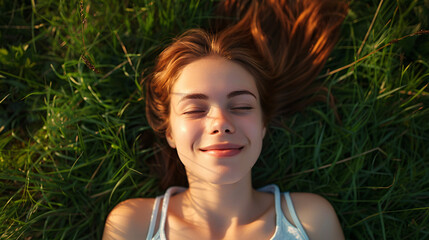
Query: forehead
(214, 75)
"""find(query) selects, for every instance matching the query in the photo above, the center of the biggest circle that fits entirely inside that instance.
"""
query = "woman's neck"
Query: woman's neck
(229, 200)
(220, 207)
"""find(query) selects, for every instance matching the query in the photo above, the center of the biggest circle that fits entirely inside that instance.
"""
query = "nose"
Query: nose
(219, 122)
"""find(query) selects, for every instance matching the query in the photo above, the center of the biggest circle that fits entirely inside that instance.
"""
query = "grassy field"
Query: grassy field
(72, 122)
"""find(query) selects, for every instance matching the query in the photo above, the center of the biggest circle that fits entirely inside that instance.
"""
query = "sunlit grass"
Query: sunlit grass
(71, 143)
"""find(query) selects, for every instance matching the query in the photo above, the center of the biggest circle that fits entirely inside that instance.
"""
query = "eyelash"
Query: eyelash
(194, 112)
(242, 108)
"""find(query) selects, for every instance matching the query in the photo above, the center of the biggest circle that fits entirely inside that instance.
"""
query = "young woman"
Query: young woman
(211, 96)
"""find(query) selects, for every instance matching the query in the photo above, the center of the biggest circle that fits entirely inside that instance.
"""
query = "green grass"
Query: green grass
(72, 139)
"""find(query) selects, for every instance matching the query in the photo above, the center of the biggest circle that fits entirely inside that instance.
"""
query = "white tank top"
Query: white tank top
(284, 229)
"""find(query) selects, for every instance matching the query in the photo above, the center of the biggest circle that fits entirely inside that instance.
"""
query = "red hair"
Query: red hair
(283, 44)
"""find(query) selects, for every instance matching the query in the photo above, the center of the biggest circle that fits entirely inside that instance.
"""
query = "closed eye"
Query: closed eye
(191, 112)
(242, 108)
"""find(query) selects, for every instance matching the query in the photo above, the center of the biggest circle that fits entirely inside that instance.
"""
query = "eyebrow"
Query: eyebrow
(205, 97)
(194, 96)
(241, 92)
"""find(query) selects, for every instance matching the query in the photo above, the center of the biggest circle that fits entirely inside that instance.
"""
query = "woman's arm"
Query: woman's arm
(130, 219)
(317, 216)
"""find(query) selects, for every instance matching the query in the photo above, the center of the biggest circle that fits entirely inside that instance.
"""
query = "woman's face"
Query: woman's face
(216, 121)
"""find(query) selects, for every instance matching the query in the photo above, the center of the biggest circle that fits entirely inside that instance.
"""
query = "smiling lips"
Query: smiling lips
(222, 150)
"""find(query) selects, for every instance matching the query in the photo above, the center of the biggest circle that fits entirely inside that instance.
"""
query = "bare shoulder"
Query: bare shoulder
(316, 215)
(130, 219)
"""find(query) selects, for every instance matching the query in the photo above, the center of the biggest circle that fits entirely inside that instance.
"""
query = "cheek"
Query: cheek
(185, 133)
(254, 127)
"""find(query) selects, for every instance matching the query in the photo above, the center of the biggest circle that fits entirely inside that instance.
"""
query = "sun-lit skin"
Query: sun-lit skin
(217, 128)
(216, 120)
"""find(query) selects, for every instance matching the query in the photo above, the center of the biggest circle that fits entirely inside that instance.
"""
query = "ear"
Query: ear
(263, 132)
(170, 139)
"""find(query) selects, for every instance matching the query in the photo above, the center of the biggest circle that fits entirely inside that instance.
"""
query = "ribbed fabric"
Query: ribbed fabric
(284, 229)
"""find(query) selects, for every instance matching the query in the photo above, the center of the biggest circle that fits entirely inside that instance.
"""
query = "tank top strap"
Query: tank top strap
(160, 234)
(153, 217)
(277, 201)
(294, 216)
(164, 209)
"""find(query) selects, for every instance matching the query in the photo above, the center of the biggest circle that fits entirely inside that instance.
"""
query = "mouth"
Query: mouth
(222, 150)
